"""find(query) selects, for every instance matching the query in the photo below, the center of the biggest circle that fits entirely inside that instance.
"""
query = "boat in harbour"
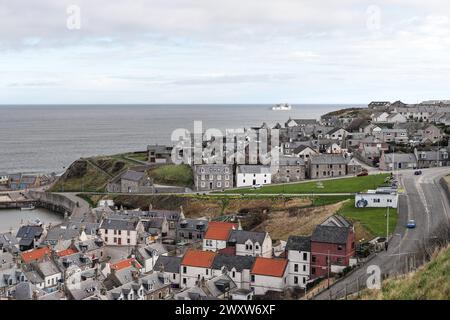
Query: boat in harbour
(28, 207)
(282, 107)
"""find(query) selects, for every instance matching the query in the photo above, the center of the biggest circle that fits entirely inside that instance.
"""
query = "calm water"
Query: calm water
(12, 218)
(49, 138)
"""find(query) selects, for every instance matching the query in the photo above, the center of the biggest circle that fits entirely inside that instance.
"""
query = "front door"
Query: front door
(119, 241)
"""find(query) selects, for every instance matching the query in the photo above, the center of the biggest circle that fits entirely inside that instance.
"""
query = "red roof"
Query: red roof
(35, 254)
(269, 267)
(198, 258)
(126, 264)
(219, 230)
(66, 252)
(231, 251)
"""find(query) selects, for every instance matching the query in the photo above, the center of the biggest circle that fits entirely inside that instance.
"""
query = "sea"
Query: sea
(48, 138)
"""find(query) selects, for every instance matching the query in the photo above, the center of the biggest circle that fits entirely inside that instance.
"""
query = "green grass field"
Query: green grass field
(344, 185)
(372, 219)
(175, 175)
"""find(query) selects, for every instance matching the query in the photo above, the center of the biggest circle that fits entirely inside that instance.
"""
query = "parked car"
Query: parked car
(417, 172)
(362, 174)
(411, 224)
(257, 186)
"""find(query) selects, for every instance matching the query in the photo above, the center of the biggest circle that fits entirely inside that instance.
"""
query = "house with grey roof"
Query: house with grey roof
(327, 166)
(220, 287)
(29, 236)
(191, 230)
(170, 265)
(432, 158)
(148, 255)
(394, 161)
(121, 231)
(250, 243)
(9, 278)
(236, 267)
(252, 175)
(85, 290)
(131, 181)
(159, 154)
(289, 169)
(209, 177)
(298, 253)
(9, 243)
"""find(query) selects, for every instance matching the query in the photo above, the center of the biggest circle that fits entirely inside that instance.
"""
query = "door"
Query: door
(254, 182)
(119, 241)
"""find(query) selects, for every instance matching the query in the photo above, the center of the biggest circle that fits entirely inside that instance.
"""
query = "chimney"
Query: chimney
(181, 213)
(239, 224)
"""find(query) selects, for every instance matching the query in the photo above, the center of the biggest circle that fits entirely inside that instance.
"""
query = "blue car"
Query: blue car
(411, 224)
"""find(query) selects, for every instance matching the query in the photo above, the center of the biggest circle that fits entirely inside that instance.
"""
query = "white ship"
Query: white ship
(28, 207)
(282, 107)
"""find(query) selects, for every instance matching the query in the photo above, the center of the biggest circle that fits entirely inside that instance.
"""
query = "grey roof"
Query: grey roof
(241, 236)
(193, 293)
(330, 234)
(47, 268)
(7, 241)
(253, 169)
(133, 175)
(305, 121)
(432, 155)
(290, 161)
(230, 261)
(192, 224)
(170, 264)
(29, 232)
(328, 159)
(336, 221)
(79, 259)
(160, 148)
(12, 274)
(85, 289)
(214, 168)
(119, 224)
(299, 243)
(34, 277)
(219, 285)
(152, 250)
(400, 157)
(303, 147)
(23, 291)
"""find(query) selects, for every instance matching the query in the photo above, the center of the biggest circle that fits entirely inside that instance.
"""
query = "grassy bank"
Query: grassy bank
(344, 185)
(174, 175)
(372, 219)
(430, 282)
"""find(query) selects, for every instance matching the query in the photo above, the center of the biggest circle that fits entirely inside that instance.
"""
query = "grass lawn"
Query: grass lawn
(372, 219)
(344, 185)
(174, 175)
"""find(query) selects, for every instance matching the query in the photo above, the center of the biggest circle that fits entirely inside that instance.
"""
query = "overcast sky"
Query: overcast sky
(233, 51)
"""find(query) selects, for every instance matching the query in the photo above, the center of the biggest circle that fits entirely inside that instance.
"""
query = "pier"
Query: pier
(15, 200)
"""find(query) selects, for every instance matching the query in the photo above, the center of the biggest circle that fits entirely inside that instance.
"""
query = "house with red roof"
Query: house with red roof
(268, 274)
(217, 235)
(35, 254)
(196, 266)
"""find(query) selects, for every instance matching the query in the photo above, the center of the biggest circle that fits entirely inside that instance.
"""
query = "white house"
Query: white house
(196, 266)
(120, 231)
(251, 175)
(337, 134)
(236, 267)
(149, 255)
(171, 267)
(4, 178)
(49, 273)
(268, 274)
(379, 117)
(249, 243)
(376, 199)
(396, 118)
(217, 235)
(298, 251)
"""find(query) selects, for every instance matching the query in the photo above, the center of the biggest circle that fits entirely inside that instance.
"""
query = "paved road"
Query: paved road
(424, 201)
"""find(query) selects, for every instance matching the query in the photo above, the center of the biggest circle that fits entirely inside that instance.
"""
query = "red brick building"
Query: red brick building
(332, 246)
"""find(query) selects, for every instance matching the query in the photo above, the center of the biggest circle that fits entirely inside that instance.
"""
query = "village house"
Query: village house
(131, 182)
(252, 175)
(337, 134)
(330, 146)
(170, 265)
(196, 266)
(29, 236)
(217, 235)
(159, 154)
(353, 167)
(430, 134)
(149, 255)
(300, 122)
(399, 136)
(394, 161)
(379, 117)
(304, 152)
(268, 274)
(209, 177)
(432, 158)
(236, 267)
(191, 230)
(9, 278)
(327, 165)
(289, 169)
(124, 231)
(251, 243)
(332, 246)
(298, 253)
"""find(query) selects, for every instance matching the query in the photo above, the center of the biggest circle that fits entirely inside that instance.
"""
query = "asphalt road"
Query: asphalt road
(424, 201)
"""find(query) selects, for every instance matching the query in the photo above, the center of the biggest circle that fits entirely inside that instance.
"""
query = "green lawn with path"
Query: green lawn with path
(344, 185)
(372, 219)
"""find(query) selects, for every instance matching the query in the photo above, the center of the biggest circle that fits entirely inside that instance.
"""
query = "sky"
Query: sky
(234, 51)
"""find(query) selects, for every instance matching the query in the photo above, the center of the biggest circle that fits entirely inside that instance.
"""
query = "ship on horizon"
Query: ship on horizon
(282, 107)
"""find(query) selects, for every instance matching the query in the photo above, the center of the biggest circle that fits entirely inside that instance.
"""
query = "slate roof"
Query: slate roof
(231, 261)
(241, 236)
(253, 169)
(170, 264)
(400, 157)
(119, 224)
(290, 161)
(29, 232)
(299, 243)
(133, 175)
(330, 234)
(328, 159)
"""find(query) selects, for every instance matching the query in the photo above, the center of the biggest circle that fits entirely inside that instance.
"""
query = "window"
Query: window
(128, 241)
(184, 269)
(233, 274)
(174, 276)
(313, 259)
(106, 239)
(115, 240)
(339, 247)
(202, 184)
(253, 278)
(295, 267)
(184, 280)
(313, 270)
(295, 280)
(120, 232)
(207, 272)
(305, 256)
(219, 184)
(128, 232)
(227, 184)
(304, 268)
(219, 177)
(202, 177)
